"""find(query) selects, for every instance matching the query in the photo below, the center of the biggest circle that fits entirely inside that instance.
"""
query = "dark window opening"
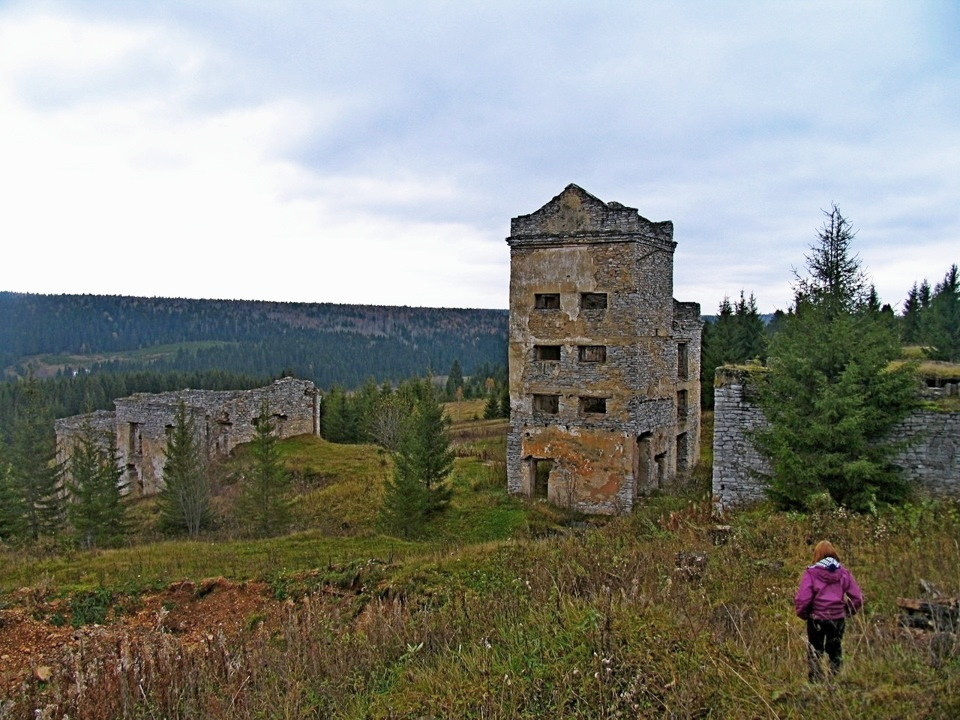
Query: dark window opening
(682, 405)
(596, 405)
(593, 353)
(541, 478)
(683, 369)
(547, 301)
(549, 404)
(661, 462)
(683, 452)
(546, 352)
(593, 301)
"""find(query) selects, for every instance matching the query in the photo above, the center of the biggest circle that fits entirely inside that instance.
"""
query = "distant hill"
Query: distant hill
(324, 342)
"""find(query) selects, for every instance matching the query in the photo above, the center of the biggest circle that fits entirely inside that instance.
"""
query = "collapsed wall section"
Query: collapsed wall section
(221, 419)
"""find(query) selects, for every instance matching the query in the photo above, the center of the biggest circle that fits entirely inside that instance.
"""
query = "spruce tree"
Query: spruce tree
(454, 380)
(95, 509)
(750, 338)
(492, 409)
(418, 489)
(36, 473)
(13, 509)
(941, 320)
(910, 319)
(264, 505)
(831, 394)
(185, 497)
(736, 335)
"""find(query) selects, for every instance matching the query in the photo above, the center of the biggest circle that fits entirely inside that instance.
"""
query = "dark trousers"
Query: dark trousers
(824, 636)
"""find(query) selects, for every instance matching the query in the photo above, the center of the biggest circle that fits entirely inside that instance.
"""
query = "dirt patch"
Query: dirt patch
(37, 637)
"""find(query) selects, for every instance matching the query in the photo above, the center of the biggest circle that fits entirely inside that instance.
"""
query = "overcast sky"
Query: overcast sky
(374, 152)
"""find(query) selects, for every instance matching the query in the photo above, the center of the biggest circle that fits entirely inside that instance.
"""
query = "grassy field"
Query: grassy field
(507, 609)
(47, 365)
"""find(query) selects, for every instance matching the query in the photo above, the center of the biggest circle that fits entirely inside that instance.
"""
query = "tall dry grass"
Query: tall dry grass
(642, 617)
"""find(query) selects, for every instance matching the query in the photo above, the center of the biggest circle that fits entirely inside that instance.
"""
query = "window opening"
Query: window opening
(541, 478)
(549, 404)
(661, 461)
(593, 301)
(547, 301)
(683, 450)
(641, 462)
(681, 405)
(596, 405)
(593, 353)
(546, 352)
(683, 368)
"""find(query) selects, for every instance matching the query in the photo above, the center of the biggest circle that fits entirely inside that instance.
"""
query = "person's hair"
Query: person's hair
(824, 549)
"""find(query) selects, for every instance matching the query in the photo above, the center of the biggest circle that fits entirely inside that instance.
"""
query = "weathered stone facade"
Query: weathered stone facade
(604, 363)
(223, 419)
(931, 457)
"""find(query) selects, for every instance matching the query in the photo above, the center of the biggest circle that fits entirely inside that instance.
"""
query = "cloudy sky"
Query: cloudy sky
(374, 152)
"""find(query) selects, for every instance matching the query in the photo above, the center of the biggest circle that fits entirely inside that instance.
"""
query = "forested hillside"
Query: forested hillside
(327, 343)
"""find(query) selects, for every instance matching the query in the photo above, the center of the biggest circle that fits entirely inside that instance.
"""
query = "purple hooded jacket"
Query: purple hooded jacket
(827, 592)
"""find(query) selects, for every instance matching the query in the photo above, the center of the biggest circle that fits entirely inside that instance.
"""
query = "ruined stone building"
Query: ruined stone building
(929, 440)
(604, 363)
(222, 419)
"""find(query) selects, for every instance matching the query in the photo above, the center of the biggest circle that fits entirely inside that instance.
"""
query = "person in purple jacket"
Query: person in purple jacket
(827, 595)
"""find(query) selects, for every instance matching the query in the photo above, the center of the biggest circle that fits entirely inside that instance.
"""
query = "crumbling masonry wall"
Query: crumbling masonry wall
(222, 420)
(604, 363)
(931, 457)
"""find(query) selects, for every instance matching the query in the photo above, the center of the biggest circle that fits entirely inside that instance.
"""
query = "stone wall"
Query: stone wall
(101, 424)
(222, 420)
(736, 463)
(931, 458)
(604, 400)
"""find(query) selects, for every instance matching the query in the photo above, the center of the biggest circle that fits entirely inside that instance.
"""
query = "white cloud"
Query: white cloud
(236, 149)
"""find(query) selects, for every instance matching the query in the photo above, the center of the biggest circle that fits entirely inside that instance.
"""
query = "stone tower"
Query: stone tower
(604, 363)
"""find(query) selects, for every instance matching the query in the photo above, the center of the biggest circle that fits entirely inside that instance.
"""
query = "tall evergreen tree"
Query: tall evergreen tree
(736, 335)
(940, 324)
(831, 394)
(505, 400)
(454, 380)
(264, 505)
(910, 319)
(835, 282)
(94, 508)
(36, 473)
(13, 510)
(185, 496)
(418, 489)
(492, 409)
(750, 337)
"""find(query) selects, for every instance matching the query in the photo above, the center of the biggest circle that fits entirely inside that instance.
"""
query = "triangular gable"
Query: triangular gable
(577, 213)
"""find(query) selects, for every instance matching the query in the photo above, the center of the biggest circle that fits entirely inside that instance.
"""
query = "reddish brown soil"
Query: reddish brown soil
(33, 649)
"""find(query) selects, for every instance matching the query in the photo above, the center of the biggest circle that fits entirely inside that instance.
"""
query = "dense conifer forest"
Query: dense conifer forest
(329, 344)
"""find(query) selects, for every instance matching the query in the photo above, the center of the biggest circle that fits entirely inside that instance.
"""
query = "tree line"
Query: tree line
(79, 501)
(326, 343)
(70, 394)
(367, 414)
(738, 334)
(829, 386)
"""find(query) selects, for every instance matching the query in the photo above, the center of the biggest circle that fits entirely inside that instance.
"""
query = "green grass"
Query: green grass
(49, 363)
(503, 612)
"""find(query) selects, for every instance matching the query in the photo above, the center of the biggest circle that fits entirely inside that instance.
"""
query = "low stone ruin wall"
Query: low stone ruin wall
(931, 457)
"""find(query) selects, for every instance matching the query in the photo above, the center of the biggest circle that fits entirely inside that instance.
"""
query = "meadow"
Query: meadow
(505, 609)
